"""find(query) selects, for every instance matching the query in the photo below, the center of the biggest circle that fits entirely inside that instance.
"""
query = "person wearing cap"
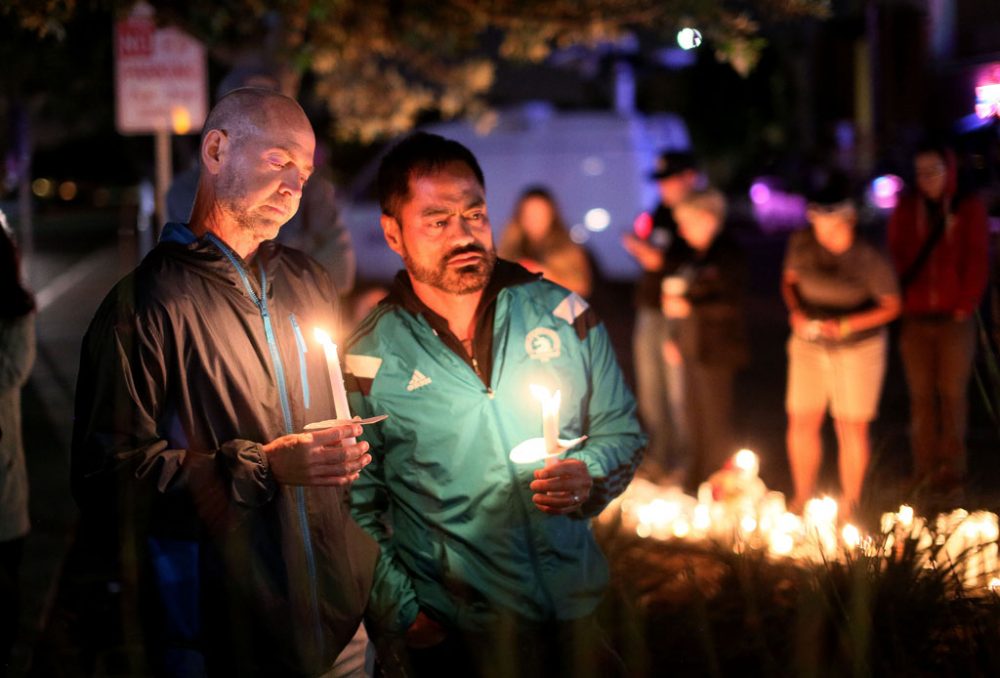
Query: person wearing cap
(658, 366)
(939, 241)
(841, 292)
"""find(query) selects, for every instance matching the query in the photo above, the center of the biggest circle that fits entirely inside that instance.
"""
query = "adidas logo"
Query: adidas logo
(418, 380)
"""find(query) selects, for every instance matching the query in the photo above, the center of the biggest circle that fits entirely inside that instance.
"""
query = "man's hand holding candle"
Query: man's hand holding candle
(327, 457)
(562, 486)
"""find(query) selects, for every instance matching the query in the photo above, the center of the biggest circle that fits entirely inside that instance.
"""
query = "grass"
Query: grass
(698, 609)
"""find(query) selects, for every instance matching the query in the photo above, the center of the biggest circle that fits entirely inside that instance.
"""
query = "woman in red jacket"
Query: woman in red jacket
(939, 244)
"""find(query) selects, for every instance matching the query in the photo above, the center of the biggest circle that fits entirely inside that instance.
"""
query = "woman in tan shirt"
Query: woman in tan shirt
(537, 238)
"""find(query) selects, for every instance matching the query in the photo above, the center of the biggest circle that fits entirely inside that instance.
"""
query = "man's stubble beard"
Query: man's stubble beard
(229, 193)
(465, 280)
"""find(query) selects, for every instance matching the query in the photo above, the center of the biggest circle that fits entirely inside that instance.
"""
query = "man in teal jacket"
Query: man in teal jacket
(481, 555)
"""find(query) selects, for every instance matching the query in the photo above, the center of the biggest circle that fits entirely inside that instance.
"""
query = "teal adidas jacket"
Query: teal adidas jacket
(461, 538)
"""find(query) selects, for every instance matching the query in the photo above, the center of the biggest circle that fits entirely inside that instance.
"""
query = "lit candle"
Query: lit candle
(747, 462)
(950, 528)
(780, 543)
(821, 525)
(851, 536)
(550, 416)
(972, 550)
(905, 516)
(772, 507)
(341, 407)
(705, 495)
(991, 532)
(702, 521)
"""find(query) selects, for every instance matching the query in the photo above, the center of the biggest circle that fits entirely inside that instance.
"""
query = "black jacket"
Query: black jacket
(715, 332)
(179, 387)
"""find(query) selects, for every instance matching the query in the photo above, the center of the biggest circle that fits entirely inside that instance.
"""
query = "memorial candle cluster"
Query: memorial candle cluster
(735, 510)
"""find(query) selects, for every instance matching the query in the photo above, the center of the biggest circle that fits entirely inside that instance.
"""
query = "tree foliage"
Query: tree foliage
(379, 64)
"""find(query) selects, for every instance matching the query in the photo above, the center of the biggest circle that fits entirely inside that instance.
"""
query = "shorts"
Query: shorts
(846, 377)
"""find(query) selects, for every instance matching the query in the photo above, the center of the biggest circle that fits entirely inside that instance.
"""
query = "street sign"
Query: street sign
(161, 84)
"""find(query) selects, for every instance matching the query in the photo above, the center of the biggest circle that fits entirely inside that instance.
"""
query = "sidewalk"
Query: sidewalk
(76, 261)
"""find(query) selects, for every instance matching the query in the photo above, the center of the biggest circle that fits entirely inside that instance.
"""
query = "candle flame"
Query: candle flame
(789, 522)
(746, 461)
(781, 543)
(546, 396)
(540, 392)
(994, 585)
(905, 515)
(823, 510)
(322, 337)
(990, 530)
(659, 512)
(551, 401)
(702, 517)
(682, 528)
(851, 536)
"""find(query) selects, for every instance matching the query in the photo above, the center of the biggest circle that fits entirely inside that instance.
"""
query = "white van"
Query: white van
(596, 164)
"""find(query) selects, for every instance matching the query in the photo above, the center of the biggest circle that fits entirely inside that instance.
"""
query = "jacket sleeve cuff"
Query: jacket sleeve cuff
(250, 478)
(607, 484)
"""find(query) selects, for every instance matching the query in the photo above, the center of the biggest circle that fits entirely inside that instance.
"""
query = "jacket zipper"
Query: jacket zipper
(525, 522)
(512, 472)
(279, 372)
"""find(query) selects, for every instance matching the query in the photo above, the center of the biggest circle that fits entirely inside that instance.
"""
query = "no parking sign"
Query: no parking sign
(161, 82)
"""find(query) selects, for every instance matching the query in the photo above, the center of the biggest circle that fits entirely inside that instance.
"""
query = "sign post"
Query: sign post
(161, 87)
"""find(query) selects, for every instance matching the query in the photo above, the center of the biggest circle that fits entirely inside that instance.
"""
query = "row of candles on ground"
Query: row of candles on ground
(735, 508)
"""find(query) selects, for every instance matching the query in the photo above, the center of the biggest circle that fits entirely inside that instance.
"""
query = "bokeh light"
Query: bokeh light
(760, 194)
(42, 188)
(688, 38)
(67, 190)
(885, 191)
(597, 219)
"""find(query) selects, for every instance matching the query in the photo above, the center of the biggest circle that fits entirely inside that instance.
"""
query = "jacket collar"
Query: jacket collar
(203, 256)
(177, 232)
(505, 274)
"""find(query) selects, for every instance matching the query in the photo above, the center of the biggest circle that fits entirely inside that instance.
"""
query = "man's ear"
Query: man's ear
(393, 233)
(214, 149)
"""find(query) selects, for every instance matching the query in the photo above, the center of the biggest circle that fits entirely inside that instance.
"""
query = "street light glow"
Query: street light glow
(688, 38)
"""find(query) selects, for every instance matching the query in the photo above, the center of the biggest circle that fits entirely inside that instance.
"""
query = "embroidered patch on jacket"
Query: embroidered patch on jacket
(542, 344)
(418, 380)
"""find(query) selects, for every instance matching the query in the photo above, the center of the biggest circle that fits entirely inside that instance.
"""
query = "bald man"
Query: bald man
(197, 378)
